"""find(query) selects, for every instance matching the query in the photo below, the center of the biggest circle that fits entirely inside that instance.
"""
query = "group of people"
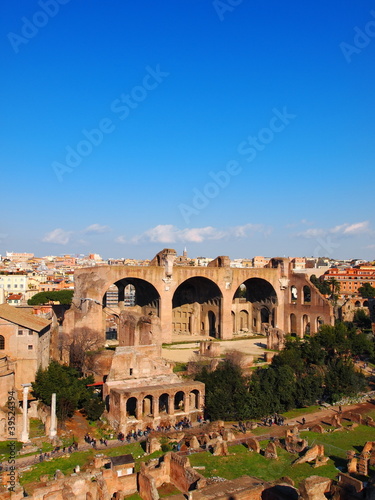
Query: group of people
(273, 419)
(134, 435)
(90, 440)
(183, 424)
(57, 449)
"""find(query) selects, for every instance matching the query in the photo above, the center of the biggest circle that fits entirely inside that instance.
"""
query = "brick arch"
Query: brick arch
(145, 292)
(174, 288)
(196, 307)
(166, 278)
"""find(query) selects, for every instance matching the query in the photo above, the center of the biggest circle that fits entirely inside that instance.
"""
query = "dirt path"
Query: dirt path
(315, 418)
(79, 427)
(185, 352)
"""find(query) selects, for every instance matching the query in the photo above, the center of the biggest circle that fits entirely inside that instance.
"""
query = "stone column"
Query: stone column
(170, 404)
(53, 426)
(165, 308)
(225, 320)
(121, 296)
(25, 426)
(155, 405)
(139, 408)
(187, 402)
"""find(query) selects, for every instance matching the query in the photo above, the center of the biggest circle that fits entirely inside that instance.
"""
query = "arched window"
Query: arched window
(306, 294)
(2, 343)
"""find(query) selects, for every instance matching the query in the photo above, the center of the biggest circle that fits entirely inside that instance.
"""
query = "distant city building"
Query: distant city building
(351, 278)
(24, 339)
(18, 257)
(260, 261)
(13, 284)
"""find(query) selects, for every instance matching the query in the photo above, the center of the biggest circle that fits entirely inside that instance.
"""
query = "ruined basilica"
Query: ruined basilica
(168, 300)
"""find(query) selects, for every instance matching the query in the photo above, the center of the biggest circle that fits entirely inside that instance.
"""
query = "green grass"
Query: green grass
(167, 490)
(179, 367)
(135, 496)
(337, 443)
(36, 428)
(371, 414)
(301, 411)
(192, 341)
(46, 447)
(4, 449)
(64, 464)
(242, 462)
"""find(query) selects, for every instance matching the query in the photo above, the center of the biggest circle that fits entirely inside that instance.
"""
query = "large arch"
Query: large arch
(124, 301)
(196, 307)
(257, 298)
(133, 293)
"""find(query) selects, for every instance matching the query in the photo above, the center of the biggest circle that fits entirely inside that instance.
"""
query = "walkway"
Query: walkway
(311, 419)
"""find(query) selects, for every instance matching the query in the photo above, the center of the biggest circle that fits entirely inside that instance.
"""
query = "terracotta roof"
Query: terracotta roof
(23, 318)
(14, 296)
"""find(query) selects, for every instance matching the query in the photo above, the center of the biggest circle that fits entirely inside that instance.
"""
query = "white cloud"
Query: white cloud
(96, 228)
(248, 229)
(167, 233)
(358, 228)
(120, 239)
(345, 229)
(199, 234)
(312, 233)
(159, 234)
(303, 222)
(58, 236)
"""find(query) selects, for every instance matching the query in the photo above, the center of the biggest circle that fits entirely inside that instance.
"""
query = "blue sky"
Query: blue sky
(232, 128)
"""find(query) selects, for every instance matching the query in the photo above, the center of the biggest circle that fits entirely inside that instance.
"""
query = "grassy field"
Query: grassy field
(4, 449)
(243, 462)
(64, 464)
(240, 461)
(300, 412)
(36, 428)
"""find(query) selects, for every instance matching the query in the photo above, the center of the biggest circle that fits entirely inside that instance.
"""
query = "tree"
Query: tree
(70, 389)
(361, 319)
(335, 286)
(80, 345)
(342, 379)
(93, 408)
(62, 296)
(367, 291)
(226, 392)
(322, 286)
(299, 375)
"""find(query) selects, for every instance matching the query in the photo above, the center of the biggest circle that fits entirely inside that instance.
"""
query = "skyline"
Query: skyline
(232, 129)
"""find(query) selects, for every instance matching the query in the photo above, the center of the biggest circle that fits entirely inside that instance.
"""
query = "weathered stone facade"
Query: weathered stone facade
(141, 390)
(216, 300)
